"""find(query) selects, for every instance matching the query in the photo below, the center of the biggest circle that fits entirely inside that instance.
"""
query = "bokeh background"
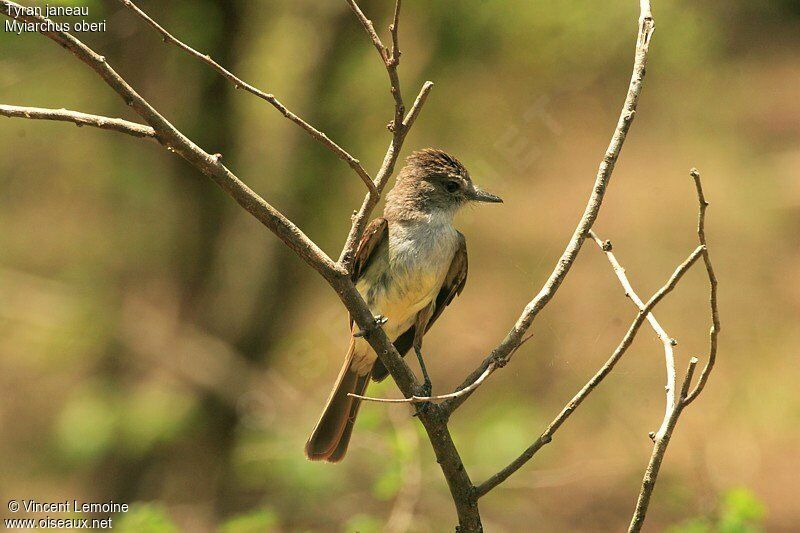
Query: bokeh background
(159, 347)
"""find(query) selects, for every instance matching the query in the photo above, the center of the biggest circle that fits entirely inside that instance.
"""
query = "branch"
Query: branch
(240, 84)
(660, 448)
(390, 59)
(712, 280)
(666, 340)
(393, 29)
(79, 119)
(421, 399)
(503, 352)
(416, 107)
(177, 142)
(587, 389)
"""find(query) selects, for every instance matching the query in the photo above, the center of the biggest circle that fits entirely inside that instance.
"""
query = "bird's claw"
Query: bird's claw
(426, 389)
(378, 321)
(421, 407)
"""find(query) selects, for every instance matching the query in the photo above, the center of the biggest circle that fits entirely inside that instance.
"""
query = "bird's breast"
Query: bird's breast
(409, 274)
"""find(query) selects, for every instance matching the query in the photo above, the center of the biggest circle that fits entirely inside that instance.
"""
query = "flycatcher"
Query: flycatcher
(409, 266)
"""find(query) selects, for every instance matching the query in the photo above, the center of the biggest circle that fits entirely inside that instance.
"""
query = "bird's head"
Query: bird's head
(433, 182)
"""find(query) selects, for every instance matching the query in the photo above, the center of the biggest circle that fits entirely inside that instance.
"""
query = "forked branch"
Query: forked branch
(712, 281)
(659, 450)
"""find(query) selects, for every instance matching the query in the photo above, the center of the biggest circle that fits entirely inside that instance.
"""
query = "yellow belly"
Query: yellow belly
(399, 301)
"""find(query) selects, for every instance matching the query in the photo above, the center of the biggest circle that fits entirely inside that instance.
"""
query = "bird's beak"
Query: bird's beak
(478, 195)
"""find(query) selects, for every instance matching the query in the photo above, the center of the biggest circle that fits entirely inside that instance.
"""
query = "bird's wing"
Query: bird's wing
(453, 284)
(454, 281)
(374, 234)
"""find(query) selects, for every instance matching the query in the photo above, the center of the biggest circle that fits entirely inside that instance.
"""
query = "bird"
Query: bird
(409, 265)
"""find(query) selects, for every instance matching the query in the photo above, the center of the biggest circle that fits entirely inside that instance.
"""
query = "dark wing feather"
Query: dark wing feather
(453, 284)
(375, 232)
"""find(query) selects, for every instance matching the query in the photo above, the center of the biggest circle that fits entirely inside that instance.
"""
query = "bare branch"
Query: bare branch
(393, 29)
(666, 340)
(390, 58)
(712, 280)
(417, 105)
(587, 389)
(177, 142)
(503, 352)
(241, 84)
(659, 450)
(79, 119)
(370, 29)
(421, 399)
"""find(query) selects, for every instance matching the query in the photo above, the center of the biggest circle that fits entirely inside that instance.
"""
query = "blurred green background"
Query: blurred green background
(159, 347)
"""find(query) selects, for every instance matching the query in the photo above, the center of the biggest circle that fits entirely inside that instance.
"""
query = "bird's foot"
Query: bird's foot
(427, 387)
(425, 390)
(421, 407)
(378, 321)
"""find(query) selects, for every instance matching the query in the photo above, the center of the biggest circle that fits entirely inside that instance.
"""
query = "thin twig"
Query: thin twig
(420, 399)
(79, 119)
(659, 450)
(502, 353)
(416, 107)
(370, 29)
(270, 98)
(712, 280)
(587, 389)
(391, 59)
(394, 29)
(666, 340)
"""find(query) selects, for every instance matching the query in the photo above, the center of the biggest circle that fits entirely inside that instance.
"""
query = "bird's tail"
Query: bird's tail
(331, 435)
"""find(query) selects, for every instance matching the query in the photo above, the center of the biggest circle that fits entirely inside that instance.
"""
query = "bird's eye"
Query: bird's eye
(452, 186)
